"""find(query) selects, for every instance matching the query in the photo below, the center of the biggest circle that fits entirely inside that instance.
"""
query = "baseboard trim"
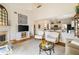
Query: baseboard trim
(19, 41)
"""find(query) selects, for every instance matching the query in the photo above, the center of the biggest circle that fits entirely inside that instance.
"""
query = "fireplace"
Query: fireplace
(3, 36)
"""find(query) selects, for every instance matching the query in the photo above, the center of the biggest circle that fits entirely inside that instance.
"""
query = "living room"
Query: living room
(22, 25)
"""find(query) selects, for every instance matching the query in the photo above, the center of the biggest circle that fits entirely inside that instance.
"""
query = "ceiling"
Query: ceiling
(26, 6)
(46, 9)
(31, 6)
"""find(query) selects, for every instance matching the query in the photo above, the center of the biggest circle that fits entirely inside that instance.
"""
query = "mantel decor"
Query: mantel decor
(22, 19)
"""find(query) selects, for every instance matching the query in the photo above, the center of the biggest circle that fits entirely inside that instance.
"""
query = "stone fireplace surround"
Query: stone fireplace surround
(4, 30)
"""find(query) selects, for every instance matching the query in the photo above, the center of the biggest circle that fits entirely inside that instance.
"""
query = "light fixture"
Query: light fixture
(37, 5)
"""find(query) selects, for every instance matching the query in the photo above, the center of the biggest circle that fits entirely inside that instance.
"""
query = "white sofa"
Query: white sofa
(52, 36)
(49, 36)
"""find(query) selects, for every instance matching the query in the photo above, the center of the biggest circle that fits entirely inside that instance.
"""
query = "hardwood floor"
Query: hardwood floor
(20, 41)
(31, 47)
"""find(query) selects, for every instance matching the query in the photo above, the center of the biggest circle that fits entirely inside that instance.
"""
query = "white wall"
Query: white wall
(13, 18)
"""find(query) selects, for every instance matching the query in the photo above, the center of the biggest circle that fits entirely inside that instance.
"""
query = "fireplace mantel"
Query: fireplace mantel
(4, 28)
(3, 33)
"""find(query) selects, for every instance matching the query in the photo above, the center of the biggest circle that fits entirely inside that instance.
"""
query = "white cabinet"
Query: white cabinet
(19, 35)
(65, 35)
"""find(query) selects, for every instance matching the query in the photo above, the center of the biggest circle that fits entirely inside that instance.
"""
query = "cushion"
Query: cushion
(52, 34)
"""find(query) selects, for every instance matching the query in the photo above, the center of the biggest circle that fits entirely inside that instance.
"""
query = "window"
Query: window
(3, 16)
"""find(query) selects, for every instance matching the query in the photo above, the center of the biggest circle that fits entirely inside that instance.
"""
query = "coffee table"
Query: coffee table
(48, 47)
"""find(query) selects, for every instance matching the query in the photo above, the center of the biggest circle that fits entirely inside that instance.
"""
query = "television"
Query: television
(22, 28)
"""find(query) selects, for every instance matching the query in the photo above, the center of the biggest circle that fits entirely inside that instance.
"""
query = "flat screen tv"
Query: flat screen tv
(22, 28)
